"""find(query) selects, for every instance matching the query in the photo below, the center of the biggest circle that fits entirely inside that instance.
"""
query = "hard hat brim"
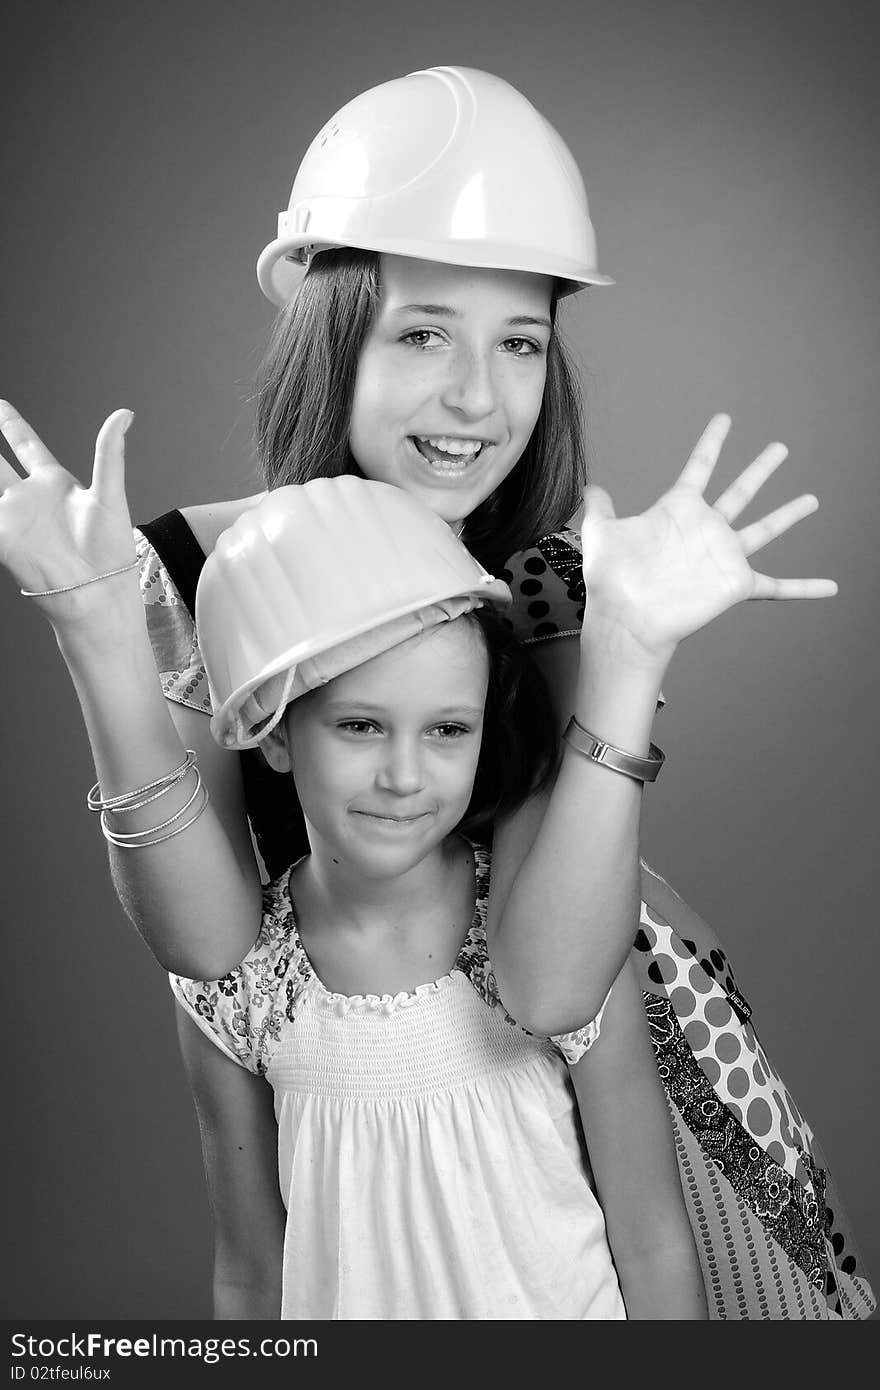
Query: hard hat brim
(280, 274)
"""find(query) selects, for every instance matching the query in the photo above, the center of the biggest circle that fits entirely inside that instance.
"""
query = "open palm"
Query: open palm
(668, 572)
(53, 531)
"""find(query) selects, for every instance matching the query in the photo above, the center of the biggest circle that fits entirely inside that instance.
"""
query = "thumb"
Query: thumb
(597, 503)
(108, 474)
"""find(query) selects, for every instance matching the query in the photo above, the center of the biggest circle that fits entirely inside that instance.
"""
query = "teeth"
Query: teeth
(452, 446)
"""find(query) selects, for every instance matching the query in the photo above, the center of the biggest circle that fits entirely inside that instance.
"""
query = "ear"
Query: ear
(275, 750)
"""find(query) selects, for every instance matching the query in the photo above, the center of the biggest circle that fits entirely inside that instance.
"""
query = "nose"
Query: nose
(402, 768)
(469, 387)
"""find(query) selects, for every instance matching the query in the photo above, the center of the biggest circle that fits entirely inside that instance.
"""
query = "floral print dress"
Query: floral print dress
(429, 1149)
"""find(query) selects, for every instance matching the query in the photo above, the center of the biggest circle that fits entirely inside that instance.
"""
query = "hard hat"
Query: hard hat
(448, 164)
(316, 579)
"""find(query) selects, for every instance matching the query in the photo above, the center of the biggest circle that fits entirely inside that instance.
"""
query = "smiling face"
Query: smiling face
(450, 380)
(384, 756)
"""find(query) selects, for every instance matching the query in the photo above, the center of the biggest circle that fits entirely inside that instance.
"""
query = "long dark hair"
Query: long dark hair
(305, 389)
(518, 752)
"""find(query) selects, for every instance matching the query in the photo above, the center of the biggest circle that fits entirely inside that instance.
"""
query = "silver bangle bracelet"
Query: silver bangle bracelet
(128, 842)
(81, 584)
(587, 744)
(120, 837)
(131, 801)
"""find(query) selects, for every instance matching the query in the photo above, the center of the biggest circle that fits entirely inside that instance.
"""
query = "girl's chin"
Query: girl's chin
(383, 849)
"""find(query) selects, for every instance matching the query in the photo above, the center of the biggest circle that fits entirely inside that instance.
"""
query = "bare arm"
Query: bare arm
(570, 862)
(144, 890)
(632, 1153)
(240, 1152)
(135, 881)
(196, 896)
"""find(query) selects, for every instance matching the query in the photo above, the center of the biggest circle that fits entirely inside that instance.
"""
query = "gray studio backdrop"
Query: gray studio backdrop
(729, 153)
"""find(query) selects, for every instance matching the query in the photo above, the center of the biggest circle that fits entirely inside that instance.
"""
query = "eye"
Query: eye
(359, 728)
(522, 347)
(447, 732)
(422, 337)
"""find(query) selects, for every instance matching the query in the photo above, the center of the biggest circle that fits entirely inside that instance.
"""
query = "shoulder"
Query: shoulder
(560, 553)
(171, 631)
(244, 1013)
(207, 520)
(548, 588)
(170, 624)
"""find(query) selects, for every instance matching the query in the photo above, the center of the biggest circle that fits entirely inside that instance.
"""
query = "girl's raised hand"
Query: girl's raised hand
(656, 578)
(54, 533)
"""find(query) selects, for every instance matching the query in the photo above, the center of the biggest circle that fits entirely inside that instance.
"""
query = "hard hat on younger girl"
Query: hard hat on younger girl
(270, 631)
(449, 164)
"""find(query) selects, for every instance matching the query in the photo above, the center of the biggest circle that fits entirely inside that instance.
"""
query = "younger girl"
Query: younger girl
(430, 1158)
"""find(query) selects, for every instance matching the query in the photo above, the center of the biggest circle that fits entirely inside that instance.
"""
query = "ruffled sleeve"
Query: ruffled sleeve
(574, 1045)
(244, 1012)
(172, 633)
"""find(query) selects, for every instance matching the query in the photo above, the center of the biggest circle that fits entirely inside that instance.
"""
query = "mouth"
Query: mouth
(449, 455)
(401, 821)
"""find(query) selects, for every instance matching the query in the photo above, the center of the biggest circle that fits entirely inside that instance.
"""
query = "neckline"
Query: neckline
(389, 1001)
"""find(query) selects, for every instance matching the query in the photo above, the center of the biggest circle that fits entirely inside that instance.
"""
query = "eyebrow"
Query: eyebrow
(529, 320)
(357, 709)
(445, 311)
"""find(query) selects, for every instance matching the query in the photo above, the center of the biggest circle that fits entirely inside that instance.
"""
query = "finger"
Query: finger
(735, 498)
(760, 533)
(24, 441)
(597, 502)
(8, 475)
(698, 469)
(108, 474)
(765, 586)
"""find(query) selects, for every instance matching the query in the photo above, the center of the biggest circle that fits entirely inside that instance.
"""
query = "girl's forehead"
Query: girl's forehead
(405, 280)
(449, 662)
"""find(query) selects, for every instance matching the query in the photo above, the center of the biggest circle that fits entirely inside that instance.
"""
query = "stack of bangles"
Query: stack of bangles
(142, 796)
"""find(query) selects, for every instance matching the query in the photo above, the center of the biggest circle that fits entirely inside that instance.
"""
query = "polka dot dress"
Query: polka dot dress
(548, 589)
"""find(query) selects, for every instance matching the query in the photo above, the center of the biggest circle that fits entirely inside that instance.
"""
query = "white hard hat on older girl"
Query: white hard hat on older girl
(450, 165)
(474, 202)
